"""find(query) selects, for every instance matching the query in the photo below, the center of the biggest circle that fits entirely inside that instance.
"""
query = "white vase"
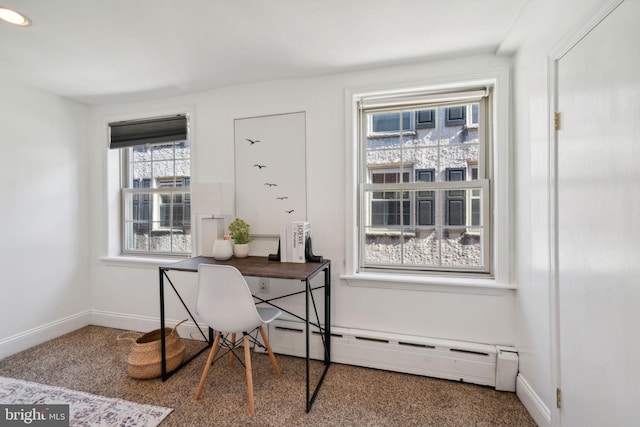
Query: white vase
(241, 250)
(222, 249)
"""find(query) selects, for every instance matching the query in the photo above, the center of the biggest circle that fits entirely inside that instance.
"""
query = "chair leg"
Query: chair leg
(233, 343)
(212, 353)
(271, 355)
(247, 363)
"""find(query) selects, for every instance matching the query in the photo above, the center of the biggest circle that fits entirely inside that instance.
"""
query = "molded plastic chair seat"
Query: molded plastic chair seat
(267, 314)
(225, 303)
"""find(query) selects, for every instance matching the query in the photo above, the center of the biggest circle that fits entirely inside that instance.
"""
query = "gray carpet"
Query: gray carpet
(91, 360)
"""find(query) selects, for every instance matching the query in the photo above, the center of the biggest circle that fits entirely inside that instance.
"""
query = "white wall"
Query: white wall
(44, 210)
(122, 292)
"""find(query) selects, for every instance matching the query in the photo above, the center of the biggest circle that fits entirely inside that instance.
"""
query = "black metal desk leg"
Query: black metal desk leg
(163, 338)
(307, 295)
(327, 333)
(327, 315)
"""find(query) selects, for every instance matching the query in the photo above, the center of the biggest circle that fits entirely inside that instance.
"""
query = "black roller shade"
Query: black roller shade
(148, 131)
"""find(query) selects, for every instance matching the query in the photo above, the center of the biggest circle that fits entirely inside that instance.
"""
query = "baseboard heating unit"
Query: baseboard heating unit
(483, 364)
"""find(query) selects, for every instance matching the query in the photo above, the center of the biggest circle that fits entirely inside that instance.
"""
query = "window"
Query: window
(424, 192)
(385, 205)
(425, 201)
(426, 119)
(389, 123)
(155, 194)
(462, 115)
(175, 208)
(455, 116)
(455, 199)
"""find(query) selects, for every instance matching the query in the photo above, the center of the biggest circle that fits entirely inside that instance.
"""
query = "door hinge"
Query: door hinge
(559, 398)
(556, 121)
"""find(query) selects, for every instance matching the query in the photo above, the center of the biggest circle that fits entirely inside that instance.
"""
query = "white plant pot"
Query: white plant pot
(241, 250)
(222, 249)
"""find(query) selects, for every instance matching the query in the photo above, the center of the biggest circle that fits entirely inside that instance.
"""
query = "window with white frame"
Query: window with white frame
(425, 185)
(155, 193)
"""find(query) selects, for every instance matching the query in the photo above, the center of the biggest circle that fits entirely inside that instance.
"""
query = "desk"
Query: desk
(262, 267)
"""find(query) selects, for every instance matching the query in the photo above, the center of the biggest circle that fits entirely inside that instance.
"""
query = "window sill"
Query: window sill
(471, 285)
(138, 261)
(391, 134)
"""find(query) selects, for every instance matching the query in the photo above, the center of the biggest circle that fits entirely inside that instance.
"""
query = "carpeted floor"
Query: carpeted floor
(91, 360)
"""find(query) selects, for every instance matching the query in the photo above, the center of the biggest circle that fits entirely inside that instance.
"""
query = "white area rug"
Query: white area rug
(85, 409)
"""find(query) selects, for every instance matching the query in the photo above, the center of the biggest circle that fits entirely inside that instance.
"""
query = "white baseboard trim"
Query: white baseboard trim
(130, 322)
(534, 404)
(46, 332)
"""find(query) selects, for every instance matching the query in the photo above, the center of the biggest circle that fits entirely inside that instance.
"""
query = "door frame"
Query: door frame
(553, 61)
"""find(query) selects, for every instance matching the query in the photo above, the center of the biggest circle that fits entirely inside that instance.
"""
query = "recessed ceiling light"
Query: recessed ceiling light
(13, 17)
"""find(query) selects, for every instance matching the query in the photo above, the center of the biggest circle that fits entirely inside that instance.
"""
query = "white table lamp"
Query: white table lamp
(211, 202)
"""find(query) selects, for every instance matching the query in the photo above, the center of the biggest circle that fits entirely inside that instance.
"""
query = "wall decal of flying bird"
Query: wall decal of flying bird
(261, 166)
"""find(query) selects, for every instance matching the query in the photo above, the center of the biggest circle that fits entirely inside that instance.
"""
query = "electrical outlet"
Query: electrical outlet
(264, 285)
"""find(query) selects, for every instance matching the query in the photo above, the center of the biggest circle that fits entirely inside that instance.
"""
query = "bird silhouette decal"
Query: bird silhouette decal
(259, 166)
(282, 198)
(270, 184)
(290, 211)
(252, 141)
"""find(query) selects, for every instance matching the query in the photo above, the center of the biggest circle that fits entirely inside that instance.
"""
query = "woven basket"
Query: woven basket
(145, 357)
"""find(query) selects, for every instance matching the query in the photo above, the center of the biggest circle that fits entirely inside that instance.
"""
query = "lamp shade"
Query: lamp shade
(212, 198)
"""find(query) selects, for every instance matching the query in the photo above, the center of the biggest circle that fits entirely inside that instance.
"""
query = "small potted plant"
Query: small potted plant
(239, 232)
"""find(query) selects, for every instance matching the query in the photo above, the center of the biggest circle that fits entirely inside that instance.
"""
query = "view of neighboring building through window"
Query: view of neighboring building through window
(424, 185)
(157, 202)
(155, 182)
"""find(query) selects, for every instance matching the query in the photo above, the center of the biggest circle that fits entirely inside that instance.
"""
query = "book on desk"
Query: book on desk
(295, 244)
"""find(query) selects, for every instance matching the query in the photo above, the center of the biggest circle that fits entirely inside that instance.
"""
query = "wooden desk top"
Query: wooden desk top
(255, 266)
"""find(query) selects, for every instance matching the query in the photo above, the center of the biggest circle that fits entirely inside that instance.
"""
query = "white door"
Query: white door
(598, 223)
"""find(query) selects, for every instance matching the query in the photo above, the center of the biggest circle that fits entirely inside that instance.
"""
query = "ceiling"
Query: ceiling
(109, 51)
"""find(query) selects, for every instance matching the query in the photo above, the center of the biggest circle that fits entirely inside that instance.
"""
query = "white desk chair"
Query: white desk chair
(225, 303)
